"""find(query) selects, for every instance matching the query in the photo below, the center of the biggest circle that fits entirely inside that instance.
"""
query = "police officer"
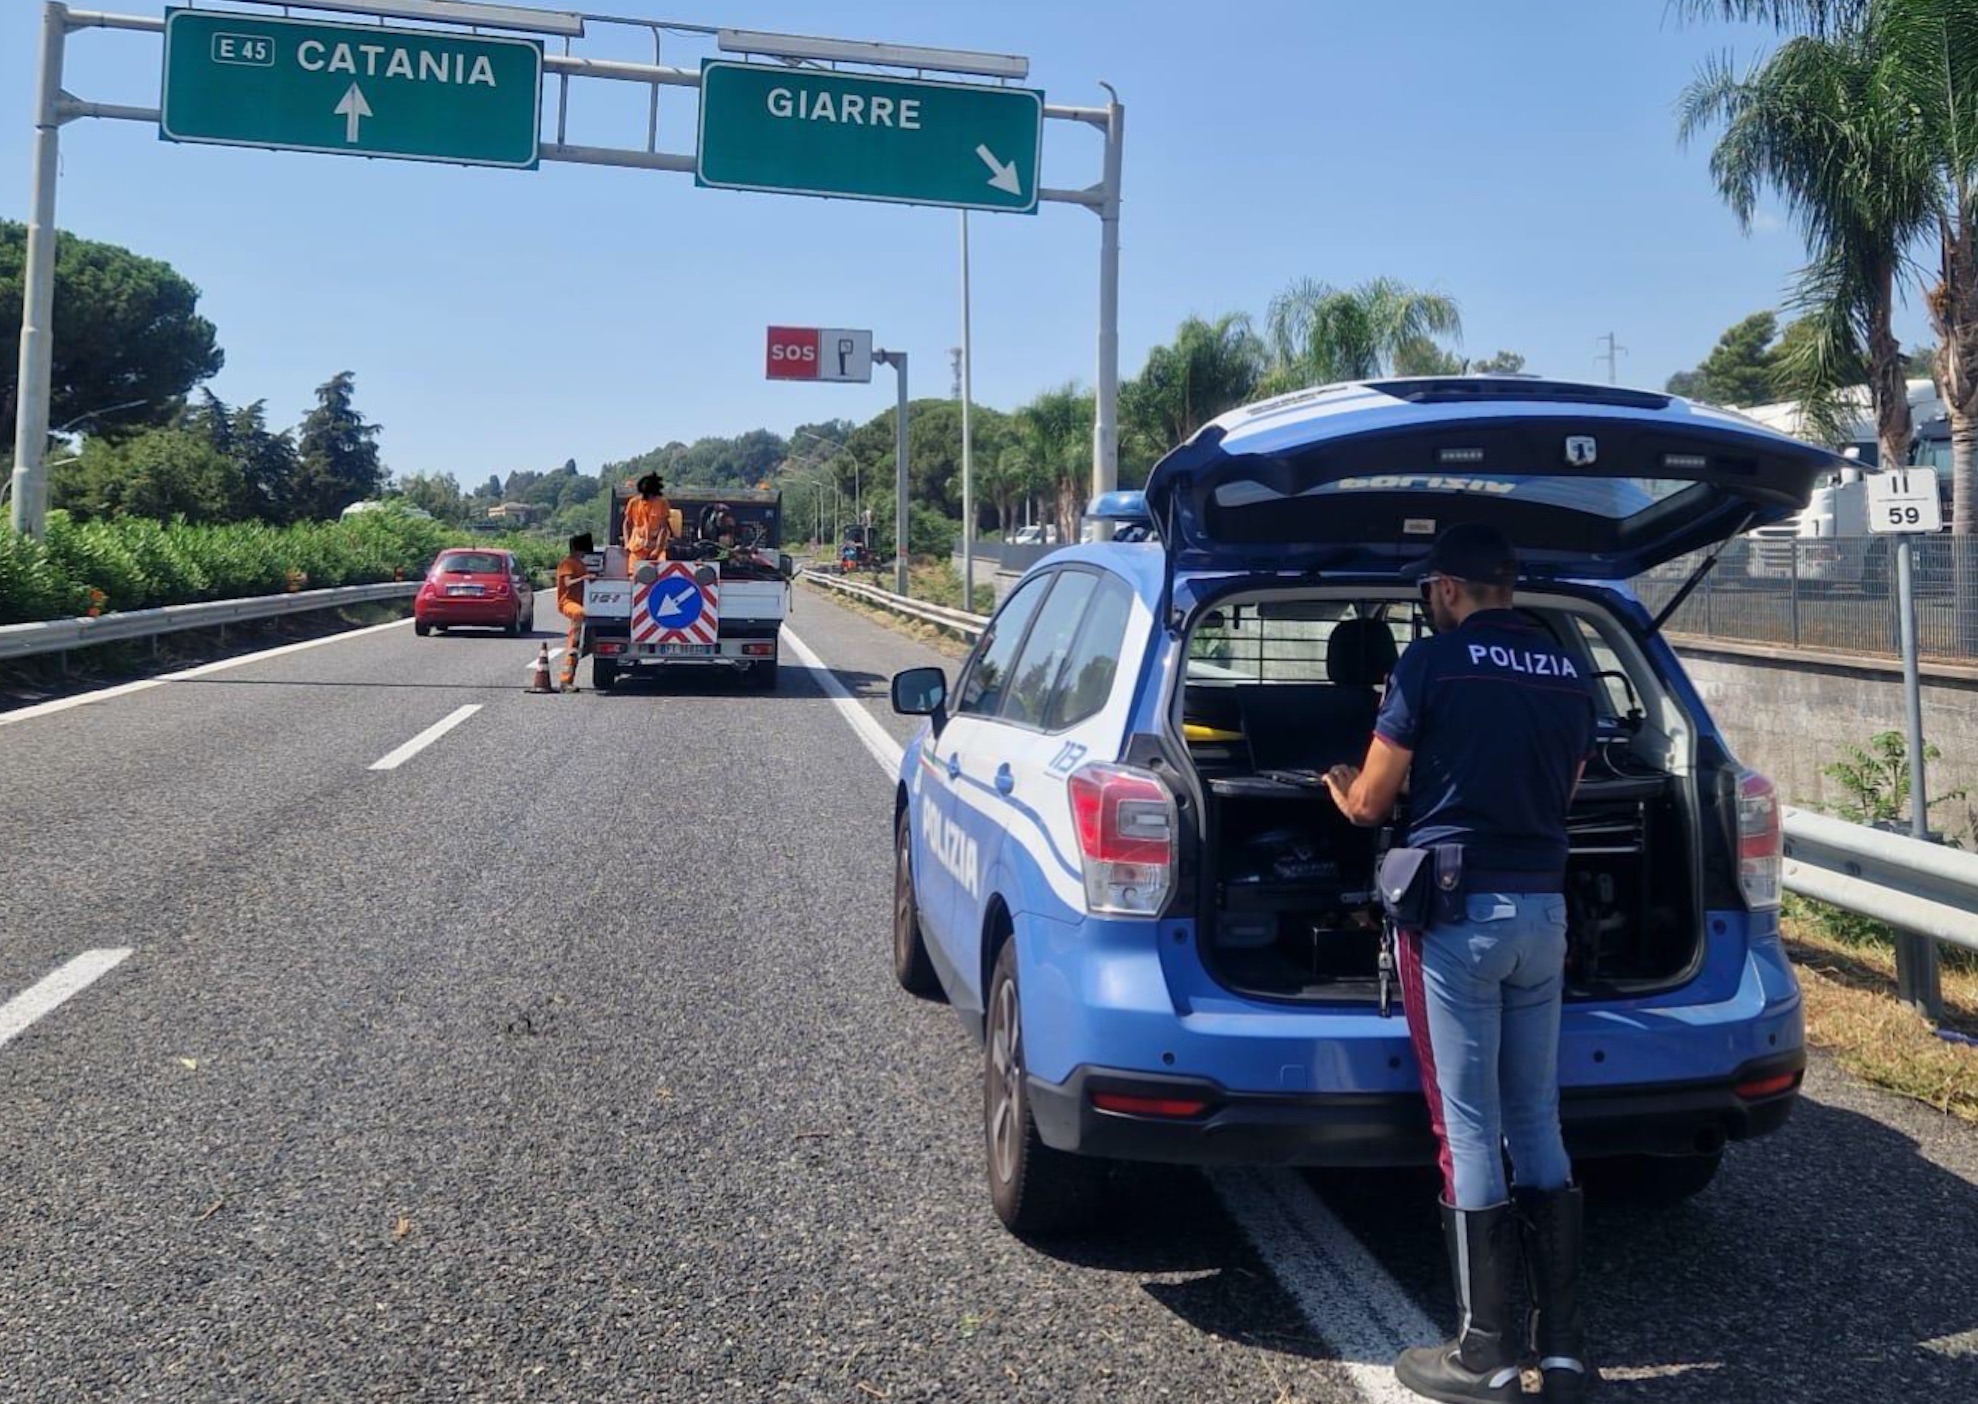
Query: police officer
(1489, 723)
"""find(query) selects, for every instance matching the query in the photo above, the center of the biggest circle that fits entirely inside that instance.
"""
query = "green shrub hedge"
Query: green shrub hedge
(138, 563)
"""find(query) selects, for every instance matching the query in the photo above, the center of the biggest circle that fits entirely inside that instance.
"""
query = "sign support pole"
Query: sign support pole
(898, 361)
(1105, 418)
(30, 481)
(968, 439)
(1918, 980)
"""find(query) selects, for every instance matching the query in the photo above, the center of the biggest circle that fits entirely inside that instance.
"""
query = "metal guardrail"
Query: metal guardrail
(62, 635)
(969, 626)
(1912, 885)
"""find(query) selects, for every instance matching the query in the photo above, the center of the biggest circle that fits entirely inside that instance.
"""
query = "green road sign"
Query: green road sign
(802, 131)
(356, 90)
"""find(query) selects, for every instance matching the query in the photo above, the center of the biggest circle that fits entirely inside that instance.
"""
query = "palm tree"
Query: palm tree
(1055, 432)
(1318, 333)
(1827, 124)
(1210, 367)
(1935, 43)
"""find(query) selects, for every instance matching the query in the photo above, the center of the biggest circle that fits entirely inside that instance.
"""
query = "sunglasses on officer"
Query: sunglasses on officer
(1428, 583)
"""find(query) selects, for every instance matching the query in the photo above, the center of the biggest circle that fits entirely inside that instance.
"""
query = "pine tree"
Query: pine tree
(338, 453)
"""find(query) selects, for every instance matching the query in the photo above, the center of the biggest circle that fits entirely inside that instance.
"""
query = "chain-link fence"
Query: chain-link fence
(1837, 594)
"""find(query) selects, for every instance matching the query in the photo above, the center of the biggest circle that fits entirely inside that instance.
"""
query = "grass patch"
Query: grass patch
(1848, 974)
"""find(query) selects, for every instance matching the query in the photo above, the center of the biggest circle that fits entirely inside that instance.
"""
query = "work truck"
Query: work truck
(718, 602)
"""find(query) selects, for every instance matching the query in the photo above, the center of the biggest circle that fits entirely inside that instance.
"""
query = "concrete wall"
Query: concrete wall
(1789, 716)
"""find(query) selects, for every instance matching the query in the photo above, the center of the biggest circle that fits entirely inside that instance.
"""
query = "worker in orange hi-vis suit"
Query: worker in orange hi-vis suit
(571, 573)
(648, 525)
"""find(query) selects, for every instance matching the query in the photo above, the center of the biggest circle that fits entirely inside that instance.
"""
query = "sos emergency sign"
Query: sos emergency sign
(819, 353)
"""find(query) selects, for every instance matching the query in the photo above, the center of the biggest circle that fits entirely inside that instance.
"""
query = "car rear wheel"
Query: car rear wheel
(911, 966)
(604, 674)
(762, 676)
(421, 628)
(1651, 1181)
(1037, 1192)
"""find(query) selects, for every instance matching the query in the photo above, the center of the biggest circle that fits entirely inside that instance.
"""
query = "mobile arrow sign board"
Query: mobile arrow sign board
(356, 90)
(859, 136)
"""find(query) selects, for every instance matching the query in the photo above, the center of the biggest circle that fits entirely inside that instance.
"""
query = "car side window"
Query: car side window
(1035, 678)
(983, 686)
(1085, 681)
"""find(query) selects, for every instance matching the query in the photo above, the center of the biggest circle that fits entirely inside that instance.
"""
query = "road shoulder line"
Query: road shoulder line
(870, 733)
(84, 699)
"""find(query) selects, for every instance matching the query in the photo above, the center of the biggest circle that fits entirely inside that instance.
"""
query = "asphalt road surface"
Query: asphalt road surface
(561, 1061)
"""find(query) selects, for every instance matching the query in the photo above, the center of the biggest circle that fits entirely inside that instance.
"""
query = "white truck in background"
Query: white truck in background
(721, 601)
(1830, 539)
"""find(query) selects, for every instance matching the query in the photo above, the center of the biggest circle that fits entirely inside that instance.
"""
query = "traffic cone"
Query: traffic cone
(539, 676)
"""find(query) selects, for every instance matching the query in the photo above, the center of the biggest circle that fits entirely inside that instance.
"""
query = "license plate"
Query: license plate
(465, 590)
(679, 649)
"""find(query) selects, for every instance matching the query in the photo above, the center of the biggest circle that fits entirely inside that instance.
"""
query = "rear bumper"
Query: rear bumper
(1384, 1129)
(494, 612)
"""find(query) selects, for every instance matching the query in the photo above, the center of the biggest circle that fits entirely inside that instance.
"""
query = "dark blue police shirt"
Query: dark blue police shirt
(1499, 720)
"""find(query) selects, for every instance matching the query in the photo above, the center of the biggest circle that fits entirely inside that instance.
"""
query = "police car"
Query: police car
(1114, 858)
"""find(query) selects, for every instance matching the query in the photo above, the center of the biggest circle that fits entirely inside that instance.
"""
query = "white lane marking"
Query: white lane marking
(1348, 1299)
(1342, 1291)
(554, 654)
(870, 733)
(57, 988)
(392, 760)
(63, 704)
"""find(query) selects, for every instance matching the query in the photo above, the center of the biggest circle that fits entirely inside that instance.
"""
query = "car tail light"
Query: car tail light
(758, 650)
(1149, 1106)
(608, 646)
(1761, 842)
(1125, 820)
(1761, 1087)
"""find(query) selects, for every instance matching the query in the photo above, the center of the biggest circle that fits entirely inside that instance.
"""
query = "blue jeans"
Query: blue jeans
(1482, 998)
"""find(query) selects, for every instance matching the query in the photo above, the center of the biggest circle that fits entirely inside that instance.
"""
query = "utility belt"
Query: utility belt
(1422, 888)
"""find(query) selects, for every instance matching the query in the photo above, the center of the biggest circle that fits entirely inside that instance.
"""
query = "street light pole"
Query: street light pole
(898, 361)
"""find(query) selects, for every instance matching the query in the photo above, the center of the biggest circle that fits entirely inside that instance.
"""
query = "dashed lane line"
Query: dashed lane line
(1348, 1299)
(398, 756)
(58, 987)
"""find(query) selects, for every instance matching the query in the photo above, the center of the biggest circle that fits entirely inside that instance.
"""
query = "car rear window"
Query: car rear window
(473, 563)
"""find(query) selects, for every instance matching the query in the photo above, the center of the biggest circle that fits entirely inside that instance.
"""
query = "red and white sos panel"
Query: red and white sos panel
(819, 353)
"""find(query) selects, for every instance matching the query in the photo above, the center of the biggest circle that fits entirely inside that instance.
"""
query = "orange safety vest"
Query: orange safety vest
(648, 527)
(570, 574)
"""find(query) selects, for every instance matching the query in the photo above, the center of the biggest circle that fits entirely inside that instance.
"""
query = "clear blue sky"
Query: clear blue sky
(1518, 156)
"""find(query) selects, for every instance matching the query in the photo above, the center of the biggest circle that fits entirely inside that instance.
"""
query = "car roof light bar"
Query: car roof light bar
(803, 46)
(558, 22)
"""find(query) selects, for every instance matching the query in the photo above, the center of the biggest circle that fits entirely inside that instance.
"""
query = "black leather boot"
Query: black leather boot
(1481, 1363)
(1552, 1225)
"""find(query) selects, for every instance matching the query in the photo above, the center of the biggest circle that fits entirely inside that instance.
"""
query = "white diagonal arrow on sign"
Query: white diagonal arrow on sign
(1003, 177)
(669, 605)
(353, 109)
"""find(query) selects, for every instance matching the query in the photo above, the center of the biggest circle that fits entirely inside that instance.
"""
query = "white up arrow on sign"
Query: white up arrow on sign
(1003, 177)
(353, 109)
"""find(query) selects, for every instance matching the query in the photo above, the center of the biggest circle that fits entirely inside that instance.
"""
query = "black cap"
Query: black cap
(1470, 551)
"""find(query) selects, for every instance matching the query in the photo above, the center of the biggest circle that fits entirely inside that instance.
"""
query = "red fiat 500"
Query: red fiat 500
(482, 589)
